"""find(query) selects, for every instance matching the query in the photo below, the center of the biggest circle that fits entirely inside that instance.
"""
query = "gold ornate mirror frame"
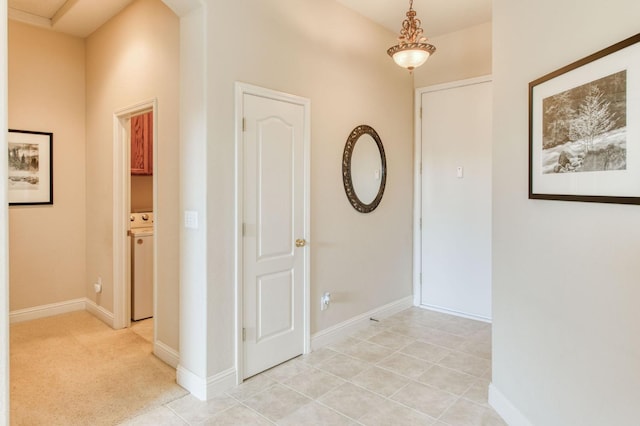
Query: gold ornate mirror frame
(346, 169)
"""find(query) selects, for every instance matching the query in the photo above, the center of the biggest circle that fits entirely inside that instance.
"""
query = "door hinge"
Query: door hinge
(244, 124)
(420, 112)
(420, 223)
(244, 334)
(244, 229)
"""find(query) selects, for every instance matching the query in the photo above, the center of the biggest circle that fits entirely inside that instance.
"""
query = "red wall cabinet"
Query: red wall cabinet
(142, 144)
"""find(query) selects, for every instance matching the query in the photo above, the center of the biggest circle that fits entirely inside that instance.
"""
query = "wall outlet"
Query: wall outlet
(97, 286)
(325, 300)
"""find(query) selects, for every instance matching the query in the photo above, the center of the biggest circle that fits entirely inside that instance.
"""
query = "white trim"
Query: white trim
(417, 200)
(241, 89)
(454, 84)
(509, 413)
(49, 310)
(122, 209)
(333, 334)
(221, 382)
(52, 309)
(239, 246)
(4, 225)
(192, 382)
(99, 312)
(417, 182)
(206, 389)
(182, 7)
(28, 18)
(455, 313)
(165, 353)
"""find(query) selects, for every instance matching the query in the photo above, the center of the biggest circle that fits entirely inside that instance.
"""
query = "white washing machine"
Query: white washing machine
(141, 265)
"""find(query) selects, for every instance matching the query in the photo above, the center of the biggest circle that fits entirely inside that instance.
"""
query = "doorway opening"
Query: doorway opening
(135, 196)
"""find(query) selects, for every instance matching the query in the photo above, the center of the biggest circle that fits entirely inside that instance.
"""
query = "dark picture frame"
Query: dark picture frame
(584, 128)
(30, 159)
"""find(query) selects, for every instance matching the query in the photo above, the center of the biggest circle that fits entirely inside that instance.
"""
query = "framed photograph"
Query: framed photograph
(30, 167)
(584, 129)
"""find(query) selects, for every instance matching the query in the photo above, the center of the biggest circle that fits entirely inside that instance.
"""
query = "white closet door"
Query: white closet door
(274, 218)
(456, 199)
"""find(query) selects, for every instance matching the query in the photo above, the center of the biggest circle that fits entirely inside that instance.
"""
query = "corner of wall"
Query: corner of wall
(205, 389)
(509, 413)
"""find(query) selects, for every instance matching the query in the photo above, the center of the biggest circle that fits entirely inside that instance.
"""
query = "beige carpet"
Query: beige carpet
(72, 369)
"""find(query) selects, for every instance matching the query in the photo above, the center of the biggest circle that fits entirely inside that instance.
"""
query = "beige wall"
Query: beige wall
(459, 55)
(565, 274)
(47, 93)
(327, 53)
(141, 193)
(131, 59)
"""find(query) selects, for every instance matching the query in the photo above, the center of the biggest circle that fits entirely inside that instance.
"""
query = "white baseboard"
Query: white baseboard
(195, 384)
(456, 313)
(101, 313)
(44, 311)
(509, 413)
(52, 309)
(343, 329)
(205, 389)
(221, 382)
(166, 354)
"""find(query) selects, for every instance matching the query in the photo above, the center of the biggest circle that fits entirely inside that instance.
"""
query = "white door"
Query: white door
(456, 198)
(274, 266)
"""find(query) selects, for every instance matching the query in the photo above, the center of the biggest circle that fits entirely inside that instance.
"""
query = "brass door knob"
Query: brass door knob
(301, 242)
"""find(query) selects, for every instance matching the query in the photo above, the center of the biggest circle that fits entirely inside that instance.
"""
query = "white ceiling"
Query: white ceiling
(438, 16)
(82, 17)
(76, 17)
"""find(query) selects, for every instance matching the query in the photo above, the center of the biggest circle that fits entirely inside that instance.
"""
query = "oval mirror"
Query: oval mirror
(364, 169)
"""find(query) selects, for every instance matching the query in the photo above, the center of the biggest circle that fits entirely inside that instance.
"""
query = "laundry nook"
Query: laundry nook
(141, 265)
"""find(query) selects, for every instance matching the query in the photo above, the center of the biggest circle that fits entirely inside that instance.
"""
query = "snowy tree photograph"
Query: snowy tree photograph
(30, 167)
(23, 166)
(584, 128)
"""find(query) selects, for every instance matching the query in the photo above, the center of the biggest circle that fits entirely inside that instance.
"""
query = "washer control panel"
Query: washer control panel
(141, 220)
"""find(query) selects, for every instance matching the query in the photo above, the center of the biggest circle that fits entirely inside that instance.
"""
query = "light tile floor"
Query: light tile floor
(417, 367)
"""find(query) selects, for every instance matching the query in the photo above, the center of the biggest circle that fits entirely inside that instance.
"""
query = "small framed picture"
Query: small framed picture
(30, 167)
(584, 129)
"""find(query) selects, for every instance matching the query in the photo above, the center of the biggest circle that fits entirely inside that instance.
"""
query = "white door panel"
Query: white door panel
(275, 191)
(274, 217)
(456, 199)
(274, 290)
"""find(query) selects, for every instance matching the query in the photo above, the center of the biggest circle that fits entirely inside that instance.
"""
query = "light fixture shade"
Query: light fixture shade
(412, 55)
(412, 49)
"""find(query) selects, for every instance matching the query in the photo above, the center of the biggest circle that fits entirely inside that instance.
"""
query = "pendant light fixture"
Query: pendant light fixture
(412, 49)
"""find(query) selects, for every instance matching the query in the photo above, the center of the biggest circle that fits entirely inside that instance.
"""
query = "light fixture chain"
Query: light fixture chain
(411, 31)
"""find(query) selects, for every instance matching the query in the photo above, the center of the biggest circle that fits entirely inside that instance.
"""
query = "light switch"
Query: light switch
(190, 219)
(376, 174)
(460, 172)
